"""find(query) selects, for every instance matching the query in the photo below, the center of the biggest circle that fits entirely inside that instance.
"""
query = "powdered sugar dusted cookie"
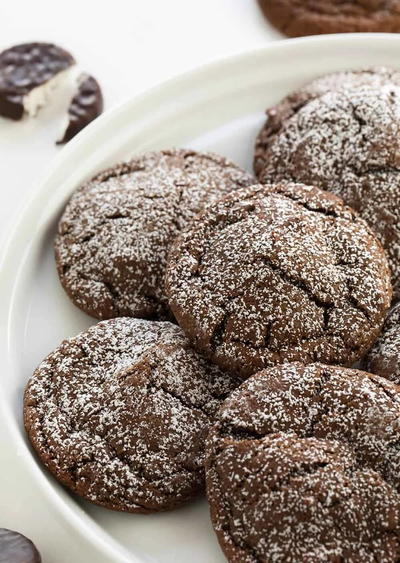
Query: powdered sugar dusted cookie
(277, 115)
(116, 231)
(119, 414)
(384, 357)
(303, 464)
(16, 548)
(279, 273)
(348, 142)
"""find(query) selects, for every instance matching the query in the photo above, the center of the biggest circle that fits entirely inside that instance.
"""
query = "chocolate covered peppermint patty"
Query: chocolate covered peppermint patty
(85, 106)
(16, 548)
(26, 72)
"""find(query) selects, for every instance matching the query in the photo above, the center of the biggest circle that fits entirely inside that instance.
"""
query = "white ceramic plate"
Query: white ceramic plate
(219, 108)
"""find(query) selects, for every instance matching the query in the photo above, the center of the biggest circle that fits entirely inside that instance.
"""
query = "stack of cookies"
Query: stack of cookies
(232, 309)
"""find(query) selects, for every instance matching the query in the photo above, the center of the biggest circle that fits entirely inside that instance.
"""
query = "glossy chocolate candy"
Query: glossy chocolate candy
(16, 548)
(85, 106)
(26, 71)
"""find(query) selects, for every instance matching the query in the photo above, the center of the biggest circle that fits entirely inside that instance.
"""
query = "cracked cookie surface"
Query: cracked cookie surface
(347, 142)
(119, 414)
(302, 464)
(279, 273)
(297, 18)
(277, 115)
(384, 357)
(116, 231)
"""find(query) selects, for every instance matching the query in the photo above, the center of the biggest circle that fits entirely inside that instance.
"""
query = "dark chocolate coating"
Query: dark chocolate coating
(25, 67)
(85, 106)
(16, 548)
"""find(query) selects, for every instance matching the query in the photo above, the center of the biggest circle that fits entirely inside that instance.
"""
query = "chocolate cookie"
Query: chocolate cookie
(293, 102)
(303, 464)
(116, 231)
(16, 548)
(384, 357)
(348, 142)
(274, 274)
(119, 414)
(296, 18)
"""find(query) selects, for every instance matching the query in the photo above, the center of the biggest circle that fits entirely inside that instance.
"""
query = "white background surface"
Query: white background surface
(129, 45)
